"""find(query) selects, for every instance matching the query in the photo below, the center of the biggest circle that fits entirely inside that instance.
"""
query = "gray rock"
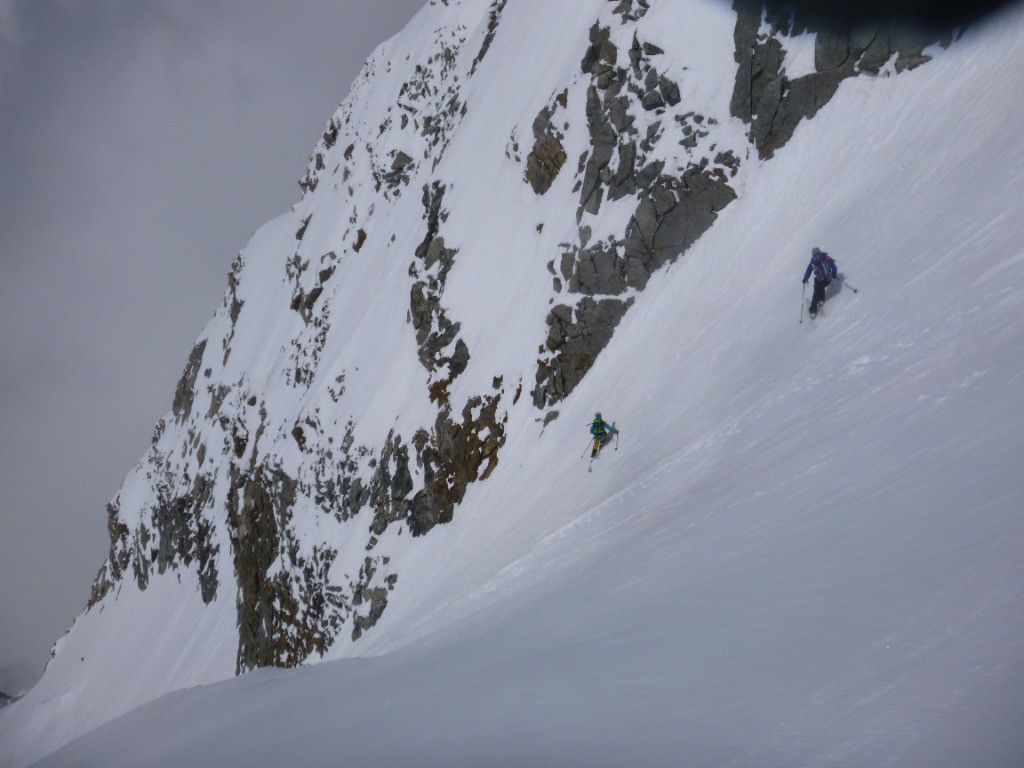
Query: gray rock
(401, 167)
(256, 529)
(435, 331)
(423, 515)
(636, 55)
(669, 91)
(182, 535)
(492, 27)
(601, 51)
(584, 332)
(831, 50)
(600, 272)
(652, 100)
(649, 174)
(669, 219)
(184, 393)
(568, 264)
(617, 108)
(454, 455)
(459, 359)
(775, 104)
(621, 183)
(547, 156)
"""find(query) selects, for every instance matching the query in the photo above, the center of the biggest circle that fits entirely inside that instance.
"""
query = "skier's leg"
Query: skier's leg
(817, 297)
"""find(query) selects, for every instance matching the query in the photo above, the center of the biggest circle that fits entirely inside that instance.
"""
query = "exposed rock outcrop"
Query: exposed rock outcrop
(625, 109)
(773, 102)
(493, 19)
(286, 608)
(452, 456)
(185, 393)
(548, 155)
(436, 333)
(575, 337)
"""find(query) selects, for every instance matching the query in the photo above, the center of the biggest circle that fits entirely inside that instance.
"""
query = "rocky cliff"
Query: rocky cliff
(525, 212)
(328, 412)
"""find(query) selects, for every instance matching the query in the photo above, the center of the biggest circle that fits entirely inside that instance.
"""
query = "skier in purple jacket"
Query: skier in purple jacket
(824, 269)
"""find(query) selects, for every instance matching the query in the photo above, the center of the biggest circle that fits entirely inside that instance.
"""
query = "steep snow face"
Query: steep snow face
(374, 450)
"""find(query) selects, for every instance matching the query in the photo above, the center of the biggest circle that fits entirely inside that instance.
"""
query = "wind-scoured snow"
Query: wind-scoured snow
(806, 548)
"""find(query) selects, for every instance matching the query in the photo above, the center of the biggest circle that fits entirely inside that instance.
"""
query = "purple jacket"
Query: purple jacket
(822, 266)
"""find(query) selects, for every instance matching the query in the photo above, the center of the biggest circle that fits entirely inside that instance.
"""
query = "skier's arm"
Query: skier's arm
(807, 273)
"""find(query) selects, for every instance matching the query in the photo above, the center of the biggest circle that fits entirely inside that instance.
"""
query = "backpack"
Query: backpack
(831, 264)
(824, 267)
(597, 428)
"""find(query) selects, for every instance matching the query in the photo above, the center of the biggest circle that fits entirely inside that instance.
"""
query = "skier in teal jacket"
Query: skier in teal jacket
(602, 432)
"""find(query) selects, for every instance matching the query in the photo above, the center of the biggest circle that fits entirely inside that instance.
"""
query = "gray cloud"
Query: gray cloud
(143, 143)
(9, 43)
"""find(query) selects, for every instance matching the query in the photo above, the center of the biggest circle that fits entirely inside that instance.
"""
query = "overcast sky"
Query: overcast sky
(142, 144)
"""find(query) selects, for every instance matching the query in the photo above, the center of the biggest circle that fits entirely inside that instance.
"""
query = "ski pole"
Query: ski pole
(803, 295)
(847, 284)
(586, 449)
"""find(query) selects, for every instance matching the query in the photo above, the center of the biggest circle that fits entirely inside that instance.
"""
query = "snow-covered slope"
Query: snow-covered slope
(806, 548)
